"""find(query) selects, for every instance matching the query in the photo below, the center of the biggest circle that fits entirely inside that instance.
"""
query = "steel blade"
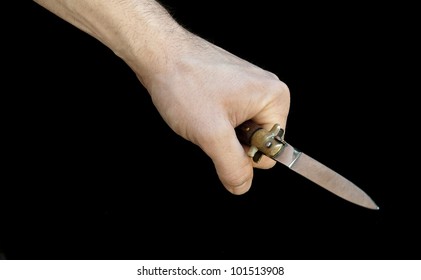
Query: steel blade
(323, 176)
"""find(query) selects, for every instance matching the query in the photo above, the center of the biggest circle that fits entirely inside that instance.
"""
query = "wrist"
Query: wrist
(148, 39)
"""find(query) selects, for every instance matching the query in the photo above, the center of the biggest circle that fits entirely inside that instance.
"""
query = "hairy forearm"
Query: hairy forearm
(141, 32)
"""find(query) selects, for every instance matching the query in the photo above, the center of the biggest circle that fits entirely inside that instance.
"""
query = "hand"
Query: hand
(206, 93)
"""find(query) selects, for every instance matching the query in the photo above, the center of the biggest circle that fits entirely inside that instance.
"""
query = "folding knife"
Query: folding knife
(272, 144)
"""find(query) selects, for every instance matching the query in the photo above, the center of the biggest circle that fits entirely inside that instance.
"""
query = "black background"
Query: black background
(84, 180)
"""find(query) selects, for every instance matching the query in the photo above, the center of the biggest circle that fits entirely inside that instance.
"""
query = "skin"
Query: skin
(202, 91)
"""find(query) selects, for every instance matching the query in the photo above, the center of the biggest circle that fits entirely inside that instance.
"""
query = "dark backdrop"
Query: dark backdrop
(83, 180)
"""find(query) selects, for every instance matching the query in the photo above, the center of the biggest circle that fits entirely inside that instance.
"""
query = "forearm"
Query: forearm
(141, 32)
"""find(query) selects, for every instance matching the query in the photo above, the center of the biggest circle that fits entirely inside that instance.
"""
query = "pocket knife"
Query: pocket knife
(272, 144)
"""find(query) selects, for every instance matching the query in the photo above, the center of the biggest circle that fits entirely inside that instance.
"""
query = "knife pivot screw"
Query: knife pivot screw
(268, 144)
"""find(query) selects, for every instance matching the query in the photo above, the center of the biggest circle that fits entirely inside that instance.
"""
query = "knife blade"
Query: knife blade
(272, 144)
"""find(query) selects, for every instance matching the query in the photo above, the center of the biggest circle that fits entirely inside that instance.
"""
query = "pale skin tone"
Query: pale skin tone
(201, 90)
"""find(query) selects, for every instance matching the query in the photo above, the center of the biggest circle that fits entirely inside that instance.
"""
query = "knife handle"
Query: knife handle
(260, 140)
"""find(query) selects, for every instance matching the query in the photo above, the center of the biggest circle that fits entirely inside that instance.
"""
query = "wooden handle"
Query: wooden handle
(245, 131)
(261, 141)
